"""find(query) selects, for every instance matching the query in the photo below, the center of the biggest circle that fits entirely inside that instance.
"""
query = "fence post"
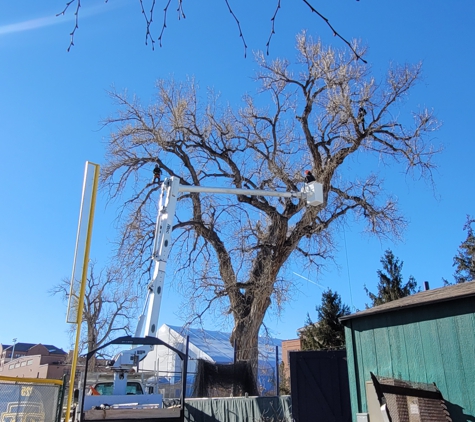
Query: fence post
(59, 410)
(234, 391)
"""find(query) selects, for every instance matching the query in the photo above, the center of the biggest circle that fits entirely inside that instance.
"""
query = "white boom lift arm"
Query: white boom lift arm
(147, 326)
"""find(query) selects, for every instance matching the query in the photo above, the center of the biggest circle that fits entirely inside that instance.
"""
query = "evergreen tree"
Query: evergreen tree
(284, 387)
(308, 336)
(390, 286)
(464, 261)
(327, 332)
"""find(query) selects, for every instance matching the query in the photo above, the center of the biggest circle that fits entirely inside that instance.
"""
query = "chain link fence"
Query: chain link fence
(30, 400)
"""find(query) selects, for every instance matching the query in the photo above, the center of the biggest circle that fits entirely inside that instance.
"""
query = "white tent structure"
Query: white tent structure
(213, 346)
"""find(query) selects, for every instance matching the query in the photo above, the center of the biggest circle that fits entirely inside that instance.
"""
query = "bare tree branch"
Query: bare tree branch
(76, 19)
(272, 31)
(148, 16)
(335, 33)
(239, 27)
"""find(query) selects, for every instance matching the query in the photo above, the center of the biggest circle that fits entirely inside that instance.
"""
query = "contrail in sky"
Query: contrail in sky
(37, 23)
(305, 278)
(31, 24)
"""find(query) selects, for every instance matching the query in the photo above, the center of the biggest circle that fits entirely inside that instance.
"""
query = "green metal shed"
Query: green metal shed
(428, 338)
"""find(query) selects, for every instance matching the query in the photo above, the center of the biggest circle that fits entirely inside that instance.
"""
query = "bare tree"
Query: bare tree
(110, 304)
(233, 250)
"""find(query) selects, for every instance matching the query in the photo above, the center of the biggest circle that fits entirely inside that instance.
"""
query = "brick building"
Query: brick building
(30, 360)
(287, 347)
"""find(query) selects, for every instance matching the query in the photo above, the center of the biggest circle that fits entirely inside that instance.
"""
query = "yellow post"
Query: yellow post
(78, 307)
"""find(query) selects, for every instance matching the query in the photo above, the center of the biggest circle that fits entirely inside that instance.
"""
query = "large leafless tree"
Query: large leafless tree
(110, 307)
(315, 114)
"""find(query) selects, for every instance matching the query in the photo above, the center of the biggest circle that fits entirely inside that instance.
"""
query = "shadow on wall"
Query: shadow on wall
(193, 414)
(456, 413)
(237, 409)
(275, 409)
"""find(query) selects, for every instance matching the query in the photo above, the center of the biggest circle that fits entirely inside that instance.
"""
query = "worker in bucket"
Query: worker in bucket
(309, 177)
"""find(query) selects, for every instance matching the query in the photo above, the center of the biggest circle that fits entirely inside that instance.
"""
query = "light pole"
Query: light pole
(13, 351)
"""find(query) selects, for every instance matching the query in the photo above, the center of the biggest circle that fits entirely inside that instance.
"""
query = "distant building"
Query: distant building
(287, 347)
(30, 360)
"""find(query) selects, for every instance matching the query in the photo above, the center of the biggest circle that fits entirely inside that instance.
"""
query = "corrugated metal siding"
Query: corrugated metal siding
(433, 343)
(412, 402)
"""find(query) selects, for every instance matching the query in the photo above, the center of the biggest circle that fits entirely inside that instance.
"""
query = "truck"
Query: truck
(119, 399)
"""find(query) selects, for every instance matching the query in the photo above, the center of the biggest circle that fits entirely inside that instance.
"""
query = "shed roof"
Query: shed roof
(442, 294)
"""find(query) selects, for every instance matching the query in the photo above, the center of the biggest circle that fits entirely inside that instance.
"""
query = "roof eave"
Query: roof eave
(376, 311)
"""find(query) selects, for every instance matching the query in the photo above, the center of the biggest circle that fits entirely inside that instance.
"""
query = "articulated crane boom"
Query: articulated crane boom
(161, 250)
(148, 320)
(171, 187)
(147, 325)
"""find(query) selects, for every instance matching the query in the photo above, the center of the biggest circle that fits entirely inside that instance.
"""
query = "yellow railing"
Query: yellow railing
(32, 380)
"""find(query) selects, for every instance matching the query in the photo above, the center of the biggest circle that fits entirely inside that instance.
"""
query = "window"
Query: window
(106, 388)
(29, 362)
(23, 363)
(11, 366)
(17, 365)
(134, 388)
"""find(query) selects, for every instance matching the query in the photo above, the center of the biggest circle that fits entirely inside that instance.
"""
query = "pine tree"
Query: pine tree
(390, 286)
(327, 332)
(308, 336)
(464, 261)
(284, 387)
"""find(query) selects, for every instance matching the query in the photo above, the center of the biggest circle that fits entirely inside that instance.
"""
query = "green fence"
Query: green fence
(239, 409)
(30, 399)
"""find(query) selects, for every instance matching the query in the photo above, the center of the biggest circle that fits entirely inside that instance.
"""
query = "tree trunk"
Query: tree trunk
(245, 335)
(91, 345)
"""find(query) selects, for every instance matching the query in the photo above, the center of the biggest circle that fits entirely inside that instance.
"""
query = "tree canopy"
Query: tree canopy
(315, 113)
(327, 332)
(391, 285)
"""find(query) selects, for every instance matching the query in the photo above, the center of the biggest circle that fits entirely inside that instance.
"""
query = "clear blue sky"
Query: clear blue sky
(52, 102)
